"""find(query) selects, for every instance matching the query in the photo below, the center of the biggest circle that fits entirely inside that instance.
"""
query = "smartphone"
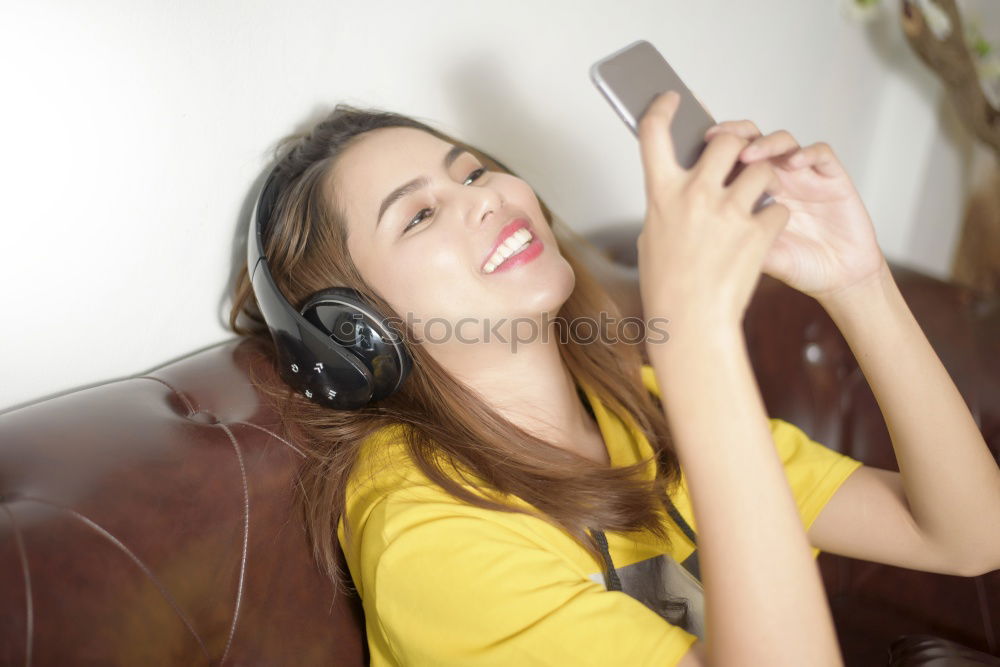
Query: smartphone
(632, 77)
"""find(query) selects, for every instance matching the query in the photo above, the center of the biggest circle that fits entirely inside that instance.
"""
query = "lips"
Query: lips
(505, 232)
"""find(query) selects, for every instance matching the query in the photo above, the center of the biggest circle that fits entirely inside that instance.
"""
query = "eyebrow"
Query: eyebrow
(416, 183)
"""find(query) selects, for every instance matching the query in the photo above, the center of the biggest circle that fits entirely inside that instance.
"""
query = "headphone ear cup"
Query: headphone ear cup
(351, 323)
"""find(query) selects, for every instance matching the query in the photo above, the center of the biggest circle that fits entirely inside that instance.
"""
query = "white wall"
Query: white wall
(134, 132)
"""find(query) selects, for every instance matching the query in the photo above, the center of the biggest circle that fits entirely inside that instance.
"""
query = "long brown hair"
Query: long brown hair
(445, 423)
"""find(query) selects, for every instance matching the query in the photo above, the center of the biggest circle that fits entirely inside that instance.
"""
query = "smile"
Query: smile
(519, 248)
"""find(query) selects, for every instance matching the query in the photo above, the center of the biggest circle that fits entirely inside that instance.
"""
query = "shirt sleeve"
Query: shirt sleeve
(814, 471)
(455, 584)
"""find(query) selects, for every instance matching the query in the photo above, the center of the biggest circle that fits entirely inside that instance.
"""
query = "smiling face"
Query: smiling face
(425, 254)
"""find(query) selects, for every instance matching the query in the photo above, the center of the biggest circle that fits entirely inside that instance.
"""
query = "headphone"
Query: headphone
(337, 350)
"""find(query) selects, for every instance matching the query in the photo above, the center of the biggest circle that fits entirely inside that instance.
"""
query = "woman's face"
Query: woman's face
(425, 252)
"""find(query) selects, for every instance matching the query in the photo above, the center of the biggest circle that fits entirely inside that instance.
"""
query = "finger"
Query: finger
(819, 156)
(659, 160)
(719, 158)
(751, 183)
(742, 128)
(775, 218)
(774, 144)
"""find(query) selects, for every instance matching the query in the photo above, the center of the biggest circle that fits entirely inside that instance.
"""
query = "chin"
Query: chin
(547, 292)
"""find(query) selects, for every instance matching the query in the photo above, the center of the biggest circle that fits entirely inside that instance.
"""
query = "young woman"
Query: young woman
(477, 507)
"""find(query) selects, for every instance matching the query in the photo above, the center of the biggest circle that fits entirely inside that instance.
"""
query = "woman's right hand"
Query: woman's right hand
(701, 247)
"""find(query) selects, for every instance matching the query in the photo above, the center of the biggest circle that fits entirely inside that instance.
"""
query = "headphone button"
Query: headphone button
(363, 338)
(295, 368)
(309, 394)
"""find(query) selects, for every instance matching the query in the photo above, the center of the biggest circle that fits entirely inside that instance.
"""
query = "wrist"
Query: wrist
(870, 291)
(696, 341)
(685, 316)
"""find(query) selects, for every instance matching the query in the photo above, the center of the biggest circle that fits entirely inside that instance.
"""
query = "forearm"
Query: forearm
(765, 602)
(951, 479)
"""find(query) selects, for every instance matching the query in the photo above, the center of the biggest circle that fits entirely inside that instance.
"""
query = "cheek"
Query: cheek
(428, 279)
(523, 195)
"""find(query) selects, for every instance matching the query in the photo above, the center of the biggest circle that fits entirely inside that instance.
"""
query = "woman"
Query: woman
(475, 505)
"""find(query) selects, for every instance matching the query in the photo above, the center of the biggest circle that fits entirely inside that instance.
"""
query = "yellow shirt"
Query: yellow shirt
(445, 583)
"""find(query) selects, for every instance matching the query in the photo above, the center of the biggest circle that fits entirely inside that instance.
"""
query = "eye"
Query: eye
(419, 217)
(416, 219)
(476, 174)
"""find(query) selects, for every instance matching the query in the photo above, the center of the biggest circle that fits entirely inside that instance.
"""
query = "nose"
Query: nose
(489, 201)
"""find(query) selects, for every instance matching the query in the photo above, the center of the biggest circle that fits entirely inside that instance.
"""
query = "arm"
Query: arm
(695, 656)
(950, 514)
(759, 576)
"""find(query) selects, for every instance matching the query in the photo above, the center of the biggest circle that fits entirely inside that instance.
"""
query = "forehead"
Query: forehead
(380, 160)
(385, 154)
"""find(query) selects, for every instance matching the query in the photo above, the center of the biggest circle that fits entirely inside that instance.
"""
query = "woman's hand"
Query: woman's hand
(829, 242)
(701, 247)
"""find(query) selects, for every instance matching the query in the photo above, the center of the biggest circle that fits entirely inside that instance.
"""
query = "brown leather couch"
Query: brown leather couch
(148, 520)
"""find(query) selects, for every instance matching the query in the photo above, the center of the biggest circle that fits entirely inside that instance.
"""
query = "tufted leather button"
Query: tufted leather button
(813, 353)
(203, 417)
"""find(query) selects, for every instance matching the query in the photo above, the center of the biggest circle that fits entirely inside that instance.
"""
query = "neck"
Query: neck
(530, 385)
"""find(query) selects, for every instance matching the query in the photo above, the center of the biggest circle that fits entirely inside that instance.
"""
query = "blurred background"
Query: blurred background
(135, 134)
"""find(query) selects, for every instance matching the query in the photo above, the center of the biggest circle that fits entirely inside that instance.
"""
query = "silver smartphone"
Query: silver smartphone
(632, 77)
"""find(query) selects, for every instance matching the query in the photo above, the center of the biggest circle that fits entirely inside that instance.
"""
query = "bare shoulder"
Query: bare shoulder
(695, 657)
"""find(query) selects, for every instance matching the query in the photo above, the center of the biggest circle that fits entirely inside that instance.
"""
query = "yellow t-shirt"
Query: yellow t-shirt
(445, 583)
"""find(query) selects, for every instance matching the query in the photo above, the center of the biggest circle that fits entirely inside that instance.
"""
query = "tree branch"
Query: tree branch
(950, 59)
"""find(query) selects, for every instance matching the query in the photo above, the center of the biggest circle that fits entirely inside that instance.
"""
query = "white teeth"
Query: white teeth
(516, 240)
(514, 243)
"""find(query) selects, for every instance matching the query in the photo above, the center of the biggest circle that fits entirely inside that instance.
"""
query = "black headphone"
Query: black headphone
(338, 351)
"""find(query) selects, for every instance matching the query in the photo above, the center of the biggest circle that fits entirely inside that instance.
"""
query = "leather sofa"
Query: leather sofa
(148, 520)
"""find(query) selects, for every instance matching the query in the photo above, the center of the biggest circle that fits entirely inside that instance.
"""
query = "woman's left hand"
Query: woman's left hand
(829, 242)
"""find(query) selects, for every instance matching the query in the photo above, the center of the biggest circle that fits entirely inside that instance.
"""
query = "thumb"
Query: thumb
(655, 143)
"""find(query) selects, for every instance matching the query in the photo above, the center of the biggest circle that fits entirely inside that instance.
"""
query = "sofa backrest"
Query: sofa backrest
(150, 519)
